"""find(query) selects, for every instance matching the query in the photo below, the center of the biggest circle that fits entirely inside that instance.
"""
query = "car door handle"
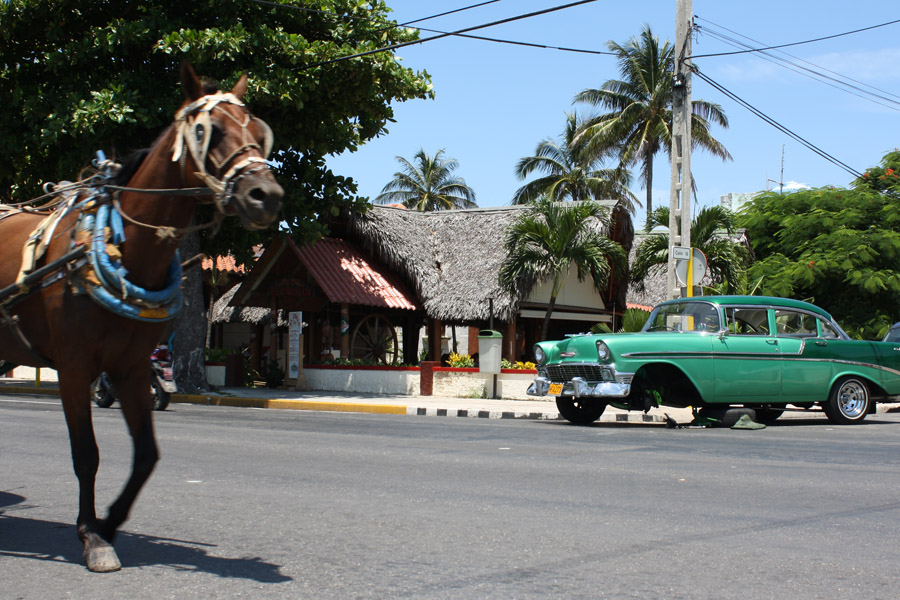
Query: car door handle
(821, 343)
(773, 342)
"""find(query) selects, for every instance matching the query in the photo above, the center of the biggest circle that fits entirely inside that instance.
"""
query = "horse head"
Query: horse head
(229, 148)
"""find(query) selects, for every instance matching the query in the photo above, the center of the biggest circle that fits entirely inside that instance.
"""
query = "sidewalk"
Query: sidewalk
(374, 403)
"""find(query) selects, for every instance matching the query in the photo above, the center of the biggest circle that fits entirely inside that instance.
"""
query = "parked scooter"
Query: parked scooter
(162, 384)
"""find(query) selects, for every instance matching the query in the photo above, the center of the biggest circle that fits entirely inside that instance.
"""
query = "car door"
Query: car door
(747, 357)
(889, 358)
(807, 353)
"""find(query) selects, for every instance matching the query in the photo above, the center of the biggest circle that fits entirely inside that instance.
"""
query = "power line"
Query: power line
(827, 37)
(449, 12)
(442, 34)
(777, 125)
(448, 34)
(877, 89)
(839, 84)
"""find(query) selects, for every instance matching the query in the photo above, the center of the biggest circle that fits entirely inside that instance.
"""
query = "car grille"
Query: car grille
(566, 372)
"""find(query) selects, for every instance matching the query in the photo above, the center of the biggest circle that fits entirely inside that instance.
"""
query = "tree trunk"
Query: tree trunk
(545, 329)
(189, 360)
(622, 233)
(649, 184)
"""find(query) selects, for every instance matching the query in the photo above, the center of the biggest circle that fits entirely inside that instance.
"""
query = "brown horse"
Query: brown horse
(215, 148)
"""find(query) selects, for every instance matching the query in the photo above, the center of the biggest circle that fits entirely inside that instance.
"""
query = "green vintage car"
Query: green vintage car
(716, 353)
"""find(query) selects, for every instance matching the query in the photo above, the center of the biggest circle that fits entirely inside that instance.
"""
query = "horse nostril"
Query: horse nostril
(258, 194)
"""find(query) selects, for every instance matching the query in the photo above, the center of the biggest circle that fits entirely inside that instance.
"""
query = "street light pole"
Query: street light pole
(680, 183)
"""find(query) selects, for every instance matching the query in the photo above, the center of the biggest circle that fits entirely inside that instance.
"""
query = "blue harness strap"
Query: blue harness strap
(112, 290)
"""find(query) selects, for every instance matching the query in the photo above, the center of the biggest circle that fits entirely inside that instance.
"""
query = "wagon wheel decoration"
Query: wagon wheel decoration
(375, 338)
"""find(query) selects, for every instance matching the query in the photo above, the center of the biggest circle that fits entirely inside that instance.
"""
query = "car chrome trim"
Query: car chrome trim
(539, 387)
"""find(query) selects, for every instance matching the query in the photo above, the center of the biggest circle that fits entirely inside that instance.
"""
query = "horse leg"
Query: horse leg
(98, 552)
(134, 398)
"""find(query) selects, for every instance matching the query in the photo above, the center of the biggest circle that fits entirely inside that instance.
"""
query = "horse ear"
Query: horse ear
(193, 89)
(240, 88)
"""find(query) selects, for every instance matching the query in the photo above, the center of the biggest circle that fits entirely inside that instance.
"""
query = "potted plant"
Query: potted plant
(215, 366)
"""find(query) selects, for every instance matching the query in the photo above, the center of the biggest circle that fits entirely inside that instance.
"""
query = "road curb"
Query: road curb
(284, 404)
(359, 407)
(48, 391)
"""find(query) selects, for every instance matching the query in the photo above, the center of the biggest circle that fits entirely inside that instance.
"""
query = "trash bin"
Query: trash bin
(490, 347)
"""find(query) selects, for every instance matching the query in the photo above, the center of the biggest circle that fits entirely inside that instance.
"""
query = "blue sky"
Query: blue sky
(495, 102)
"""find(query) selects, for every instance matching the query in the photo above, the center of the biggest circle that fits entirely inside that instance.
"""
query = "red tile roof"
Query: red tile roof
(345, 274)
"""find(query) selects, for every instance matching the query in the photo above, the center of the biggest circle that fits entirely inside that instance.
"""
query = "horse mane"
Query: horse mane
(129, 166)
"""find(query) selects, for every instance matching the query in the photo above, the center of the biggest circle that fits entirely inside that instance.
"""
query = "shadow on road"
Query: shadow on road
(37, 539)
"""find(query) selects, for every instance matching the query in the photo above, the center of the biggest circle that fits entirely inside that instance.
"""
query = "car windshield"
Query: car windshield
(893, 335)
(684, 316)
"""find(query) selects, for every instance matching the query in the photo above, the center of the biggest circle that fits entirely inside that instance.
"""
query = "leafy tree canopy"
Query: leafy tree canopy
(837, 247)
(78, 76)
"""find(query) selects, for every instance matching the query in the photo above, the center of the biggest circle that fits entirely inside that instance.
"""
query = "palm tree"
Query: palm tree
(570, 173)
(427, 183)
(639, 123)
(543, 244)
(725, 259)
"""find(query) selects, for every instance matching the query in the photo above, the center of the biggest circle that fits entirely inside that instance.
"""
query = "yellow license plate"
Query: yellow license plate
(556, 389)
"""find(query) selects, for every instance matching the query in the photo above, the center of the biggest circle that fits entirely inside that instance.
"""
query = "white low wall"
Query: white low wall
(369, 381)
(31, 373)
(449, 383)
(457, 383)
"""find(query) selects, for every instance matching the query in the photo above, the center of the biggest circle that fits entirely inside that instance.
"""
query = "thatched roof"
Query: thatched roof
(452, 257)
(654, 284)
(222, 313)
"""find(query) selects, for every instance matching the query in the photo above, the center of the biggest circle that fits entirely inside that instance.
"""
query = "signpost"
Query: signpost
(295, 347)
(690, 267)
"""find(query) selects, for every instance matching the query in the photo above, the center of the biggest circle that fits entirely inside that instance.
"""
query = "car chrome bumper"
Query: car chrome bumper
(579, 388)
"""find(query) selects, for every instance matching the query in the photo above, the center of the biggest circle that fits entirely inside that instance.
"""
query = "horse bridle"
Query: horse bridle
(194, 129)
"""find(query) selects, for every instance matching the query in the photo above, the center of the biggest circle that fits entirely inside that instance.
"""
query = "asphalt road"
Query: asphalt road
(281, 504)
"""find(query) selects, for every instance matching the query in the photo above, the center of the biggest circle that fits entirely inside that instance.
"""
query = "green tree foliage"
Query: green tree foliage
(837, 247)
(633, 320)
(725, 259)
(81, 75)
(551, 238)
(639, 122)
(427, 183)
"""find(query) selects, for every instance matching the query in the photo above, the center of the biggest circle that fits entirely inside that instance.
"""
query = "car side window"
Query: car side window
(828, 332)
(747, 321)
(792, 322)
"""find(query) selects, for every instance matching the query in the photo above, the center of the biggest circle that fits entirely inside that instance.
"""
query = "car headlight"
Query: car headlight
(539, 356)
(603, 352)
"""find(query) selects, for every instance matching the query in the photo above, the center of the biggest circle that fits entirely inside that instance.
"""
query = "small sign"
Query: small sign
(295, 328)
(681, 253)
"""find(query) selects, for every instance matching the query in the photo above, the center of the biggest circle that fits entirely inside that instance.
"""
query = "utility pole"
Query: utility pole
(680, 185)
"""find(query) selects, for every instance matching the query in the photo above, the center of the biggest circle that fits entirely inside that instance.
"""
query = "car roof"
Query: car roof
(755, 301)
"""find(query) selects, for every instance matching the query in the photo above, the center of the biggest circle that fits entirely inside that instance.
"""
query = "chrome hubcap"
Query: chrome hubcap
(853, 399)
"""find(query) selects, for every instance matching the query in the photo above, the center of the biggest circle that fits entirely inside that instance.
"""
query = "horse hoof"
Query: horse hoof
(101, 558)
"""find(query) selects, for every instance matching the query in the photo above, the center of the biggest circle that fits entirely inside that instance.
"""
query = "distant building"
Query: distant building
(735, 201)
